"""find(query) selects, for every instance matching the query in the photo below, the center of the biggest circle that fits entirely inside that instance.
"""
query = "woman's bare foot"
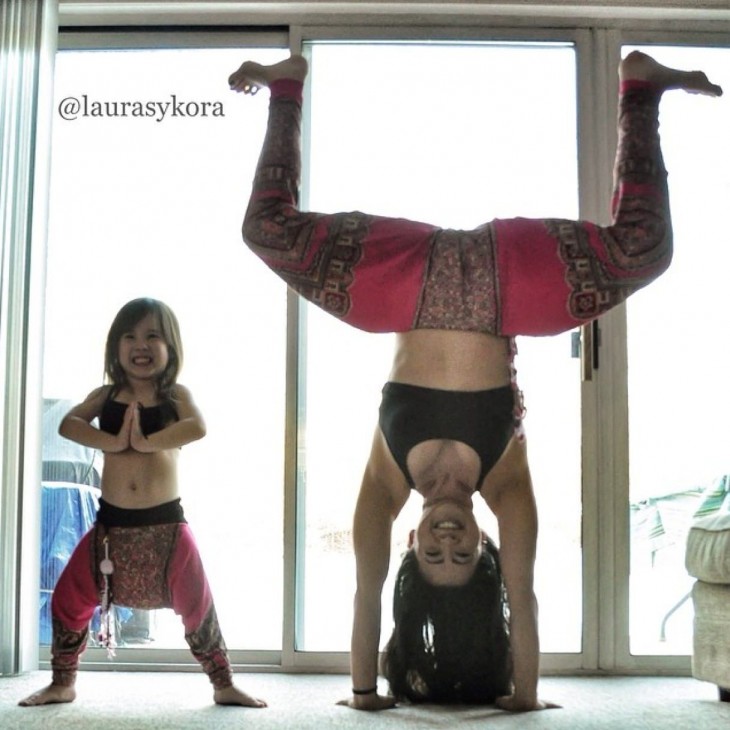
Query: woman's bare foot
(251, 76)
(52, 694)
(234, 696)
(637, 66)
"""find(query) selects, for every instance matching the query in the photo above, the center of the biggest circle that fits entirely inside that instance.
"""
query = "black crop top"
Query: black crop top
(482, 419)
(152, 419)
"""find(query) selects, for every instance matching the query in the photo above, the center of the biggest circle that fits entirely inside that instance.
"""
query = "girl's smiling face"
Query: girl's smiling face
(142, 351)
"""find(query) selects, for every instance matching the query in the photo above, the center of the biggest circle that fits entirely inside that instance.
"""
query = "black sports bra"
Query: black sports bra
(152, 419)
(482, 419)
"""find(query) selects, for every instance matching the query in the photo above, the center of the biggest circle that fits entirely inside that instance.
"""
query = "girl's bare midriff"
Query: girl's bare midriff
(136, 481)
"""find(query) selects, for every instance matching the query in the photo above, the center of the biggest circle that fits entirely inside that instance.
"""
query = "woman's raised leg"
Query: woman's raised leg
(558, 274)
(365, 270)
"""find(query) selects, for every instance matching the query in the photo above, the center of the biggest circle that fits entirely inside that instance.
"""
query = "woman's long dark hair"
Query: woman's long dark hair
(450, 644)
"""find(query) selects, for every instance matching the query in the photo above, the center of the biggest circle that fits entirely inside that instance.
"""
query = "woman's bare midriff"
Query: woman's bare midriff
(451, 360)
(136, 481)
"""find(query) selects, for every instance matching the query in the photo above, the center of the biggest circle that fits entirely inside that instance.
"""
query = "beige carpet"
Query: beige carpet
(182, 701)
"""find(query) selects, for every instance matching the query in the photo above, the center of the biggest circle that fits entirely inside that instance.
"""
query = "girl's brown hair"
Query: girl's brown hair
(127, 318)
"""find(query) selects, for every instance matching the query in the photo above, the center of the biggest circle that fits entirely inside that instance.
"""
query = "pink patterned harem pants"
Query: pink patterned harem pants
(508, 277)
(155, 566)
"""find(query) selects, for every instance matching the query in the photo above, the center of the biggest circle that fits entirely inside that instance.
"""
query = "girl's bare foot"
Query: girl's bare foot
(251, 76)
(637, 66)
(49, 695)
(234, 696)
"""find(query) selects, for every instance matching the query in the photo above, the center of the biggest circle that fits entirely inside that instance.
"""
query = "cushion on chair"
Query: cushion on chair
(711, 655)
(708, 549)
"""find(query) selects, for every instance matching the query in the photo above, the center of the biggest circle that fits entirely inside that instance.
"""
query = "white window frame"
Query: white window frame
(598, 39)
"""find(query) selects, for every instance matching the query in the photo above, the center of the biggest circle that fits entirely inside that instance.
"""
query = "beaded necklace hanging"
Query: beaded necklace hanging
(106, 636)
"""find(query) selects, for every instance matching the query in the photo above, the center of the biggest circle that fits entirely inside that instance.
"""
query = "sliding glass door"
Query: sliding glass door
(437, 133)
(677, 366)
(153, 158)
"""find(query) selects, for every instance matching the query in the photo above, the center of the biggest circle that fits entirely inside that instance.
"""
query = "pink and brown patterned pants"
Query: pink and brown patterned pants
(155, 566)
(508, 277)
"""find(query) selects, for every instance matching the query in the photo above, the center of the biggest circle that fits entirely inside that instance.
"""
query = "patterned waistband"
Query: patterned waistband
(161, 514)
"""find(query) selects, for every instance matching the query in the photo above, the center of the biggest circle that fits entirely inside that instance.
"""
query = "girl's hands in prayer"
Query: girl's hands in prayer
(137, 440)
(122, 441)
(369, 703)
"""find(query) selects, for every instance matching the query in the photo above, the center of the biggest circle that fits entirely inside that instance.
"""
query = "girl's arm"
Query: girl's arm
(189, 427)
(76, 425)
(377, 507)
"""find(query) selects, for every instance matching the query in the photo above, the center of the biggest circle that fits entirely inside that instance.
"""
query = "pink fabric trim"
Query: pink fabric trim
(189, 590)
(630, 84)
(388, 279)
(76, 595)
(288, 88)
(532, 289)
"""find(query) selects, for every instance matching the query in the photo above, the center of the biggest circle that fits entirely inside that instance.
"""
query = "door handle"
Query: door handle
(590, 342)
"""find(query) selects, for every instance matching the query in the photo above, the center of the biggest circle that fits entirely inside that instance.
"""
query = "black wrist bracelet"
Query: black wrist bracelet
(371, 691)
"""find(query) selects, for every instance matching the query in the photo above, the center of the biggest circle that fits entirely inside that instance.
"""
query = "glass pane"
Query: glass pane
(152, 206)
(678, 354)
(453, 146)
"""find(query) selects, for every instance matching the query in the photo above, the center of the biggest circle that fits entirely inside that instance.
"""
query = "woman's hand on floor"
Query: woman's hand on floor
(512, 703)
(369, 703)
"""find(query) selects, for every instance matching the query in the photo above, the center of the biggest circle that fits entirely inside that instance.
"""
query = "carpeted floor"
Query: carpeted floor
(168, 701)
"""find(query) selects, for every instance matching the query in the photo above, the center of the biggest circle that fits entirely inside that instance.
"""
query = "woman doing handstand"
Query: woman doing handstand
(450, 416)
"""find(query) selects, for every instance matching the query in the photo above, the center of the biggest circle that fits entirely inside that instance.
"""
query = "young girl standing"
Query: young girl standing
(141, 552)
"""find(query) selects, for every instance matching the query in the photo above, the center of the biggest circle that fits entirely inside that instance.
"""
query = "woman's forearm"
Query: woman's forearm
(525, 644)
(365, 641)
